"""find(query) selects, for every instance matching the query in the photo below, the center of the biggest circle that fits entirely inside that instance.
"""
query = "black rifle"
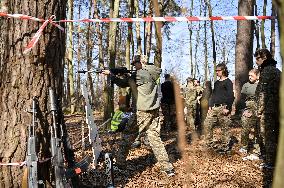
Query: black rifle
(31, 156)
(55, 142)
(115, 71)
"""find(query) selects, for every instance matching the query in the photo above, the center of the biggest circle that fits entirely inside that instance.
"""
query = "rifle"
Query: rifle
(55, 142)
(115, 71)
(31, 156)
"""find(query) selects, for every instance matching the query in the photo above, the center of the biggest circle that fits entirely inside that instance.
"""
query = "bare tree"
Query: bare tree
(158, 27)
(272, 36)
(24, 76)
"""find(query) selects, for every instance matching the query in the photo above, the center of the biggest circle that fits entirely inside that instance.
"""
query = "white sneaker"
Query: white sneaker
(251, 157)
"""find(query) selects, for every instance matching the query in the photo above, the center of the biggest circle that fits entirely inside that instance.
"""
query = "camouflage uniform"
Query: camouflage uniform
(190, 103)
(249, 122)
(148, 104)
(267, 94)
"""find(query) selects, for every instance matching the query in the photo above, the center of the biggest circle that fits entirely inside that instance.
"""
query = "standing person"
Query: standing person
(199, 91)
(267, 96)
(190, 103)
(220, 106)
(168, 103)
(144, 83)
(249, 118)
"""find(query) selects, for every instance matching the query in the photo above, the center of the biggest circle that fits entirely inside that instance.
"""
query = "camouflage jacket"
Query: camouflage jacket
(267, 90)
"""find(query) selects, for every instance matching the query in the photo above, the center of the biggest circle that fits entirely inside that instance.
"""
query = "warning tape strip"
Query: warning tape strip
(51, 20)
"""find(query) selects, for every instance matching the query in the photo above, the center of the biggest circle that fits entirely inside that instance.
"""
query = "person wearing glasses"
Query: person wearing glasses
(267, 97)
(220, 106)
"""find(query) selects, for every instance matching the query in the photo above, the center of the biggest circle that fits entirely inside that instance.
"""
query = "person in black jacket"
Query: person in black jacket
(220, 106)
(267, 98)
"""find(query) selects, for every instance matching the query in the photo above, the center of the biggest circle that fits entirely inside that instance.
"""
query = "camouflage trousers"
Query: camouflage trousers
(249, 122)
(169, 115)
(191, 115)
(268, 140)
(215, 117)
(147, 122)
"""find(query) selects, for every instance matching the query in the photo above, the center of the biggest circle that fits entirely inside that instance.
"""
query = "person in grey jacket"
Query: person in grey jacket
(145, 87)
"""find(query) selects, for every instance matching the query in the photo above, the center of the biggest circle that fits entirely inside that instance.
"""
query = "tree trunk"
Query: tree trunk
(272, 36)
(205, 49)
(263, 45)
(129, 34)
(109, 108)
(138, 37)
(256, 27)
(278, 180)
(149, 32)
(190, 40)
(159, 38)
(70, 57)
(244, 49)
(212, 36)
(78, 85)
(89, 46)
(24, 76)
(101, 56)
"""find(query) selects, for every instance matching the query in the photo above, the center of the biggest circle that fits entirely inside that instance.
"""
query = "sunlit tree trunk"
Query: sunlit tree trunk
(149, 32)
(190, 40)
(272, 36)
(212, 37)
(129, 33)
(278, 180)
(263, 45)
(23, 77)
(111, 55)
(205, 49)
(138, 37)
(244, 49)
(197, 44)
(70, 57)
(159, 37)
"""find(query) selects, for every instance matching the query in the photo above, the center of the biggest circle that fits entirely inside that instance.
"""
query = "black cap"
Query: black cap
(136, 59)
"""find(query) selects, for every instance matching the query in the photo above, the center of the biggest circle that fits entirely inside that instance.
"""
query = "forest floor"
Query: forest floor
(199, 167)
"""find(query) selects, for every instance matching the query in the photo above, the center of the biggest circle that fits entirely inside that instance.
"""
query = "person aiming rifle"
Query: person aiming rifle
(144, 84)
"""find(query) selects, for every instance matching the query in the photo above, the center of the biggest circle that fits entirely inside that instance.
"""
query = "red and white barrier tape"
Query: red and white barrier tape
(146, 19)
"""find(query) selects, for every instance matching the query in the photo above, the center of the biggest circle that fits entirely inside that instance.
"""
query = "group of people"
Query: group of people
(260, 114)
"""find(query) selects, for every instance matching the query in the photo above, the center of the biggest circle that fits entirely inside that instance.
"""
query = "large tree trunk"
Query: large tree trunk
(149, 32)
(24, 76)
(244, 49)
(70, 57)
(278, 180)
(78, 83)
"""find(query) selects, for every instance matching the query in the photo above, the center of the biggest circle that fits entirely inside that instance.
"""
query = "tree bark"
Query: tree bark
(70, 29)
(263, 45)
(272, 36)
(278, 180)
(138, 37)
(244, 49)
(25, 76)
(159, 38)
(114, 9)
(208, 3)
(129, 34)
